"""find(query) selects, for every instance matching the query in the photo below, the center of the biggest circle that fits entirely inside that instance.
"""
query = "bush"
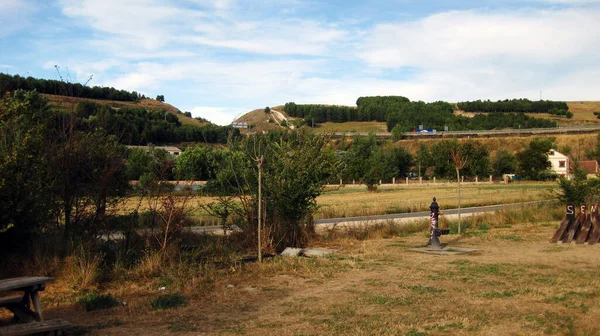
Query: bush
(93, 301)
(167, 301)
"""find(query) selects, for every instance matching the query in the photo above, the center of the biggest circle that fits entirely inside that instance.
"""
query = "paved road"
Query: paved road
(421, 214)
(505, 132)
(425, 214)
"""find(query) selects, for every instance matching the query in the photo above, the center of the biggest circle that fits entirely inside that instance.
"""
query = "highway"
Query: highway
(485, 133)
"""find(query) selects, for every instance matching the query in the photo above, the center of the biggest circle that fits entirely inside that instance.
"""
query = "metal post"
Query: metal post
(434, 241)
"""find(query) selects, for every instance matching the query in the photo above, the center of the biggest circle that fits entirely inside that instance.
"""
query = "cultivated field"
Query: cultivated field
(515, 284)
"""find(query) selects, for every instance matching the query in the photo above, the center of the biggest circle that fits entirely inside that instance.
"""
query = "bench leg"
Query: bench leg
(36, 304)
(22, 313)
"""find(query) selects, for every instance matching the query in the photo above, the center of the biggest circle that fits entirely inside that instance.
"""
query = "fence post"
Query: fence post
(476, 179)
(491, 179)
(393, 180)
(407, 180)
(420, 180)
(434, 180)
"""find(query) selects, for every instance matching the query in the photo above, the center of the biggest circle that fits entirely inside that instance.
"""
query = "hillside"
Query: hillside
(65, 103)
(259, 121)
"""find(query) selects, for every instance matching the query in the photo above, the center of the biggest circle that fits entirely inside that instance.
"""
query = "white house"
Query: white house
(560, 163)
(170, 149)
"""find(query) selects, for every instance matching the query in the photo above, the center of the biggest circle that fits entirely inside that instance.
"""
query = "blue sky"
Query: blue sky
(221, 58)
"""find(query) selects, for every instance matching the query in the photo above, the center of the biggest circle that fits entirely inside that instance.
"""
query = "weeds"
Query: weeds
(510, 237)
(94, 301)
(168, 301)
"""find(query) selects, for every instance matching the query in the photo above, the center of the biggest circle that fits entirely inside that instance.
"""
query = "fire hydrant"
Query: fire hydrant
(435, 232)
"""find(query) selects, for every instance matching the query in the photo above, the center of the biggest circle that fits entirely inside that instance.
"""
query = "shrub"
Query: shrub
(167, 301)
(93, 301)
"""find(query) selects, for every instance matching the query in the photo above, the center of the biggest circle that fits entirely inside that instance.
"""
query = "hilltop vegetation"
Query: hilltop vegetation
(139, 126)
(402, 115)
(62, 88)
(512, 105)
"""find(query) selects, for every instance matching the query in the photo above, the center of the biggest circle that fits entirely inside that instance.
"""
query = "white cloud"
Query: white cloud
(154, 25)
(466, 37)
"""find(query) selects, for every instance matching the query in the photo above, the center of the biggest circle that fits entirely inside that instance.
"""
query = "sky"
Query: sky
(221, 58)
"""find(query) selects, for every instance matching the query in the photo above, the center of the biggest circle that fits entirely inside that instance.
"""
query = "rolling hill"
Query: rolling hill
(66, 103)
(258, 120)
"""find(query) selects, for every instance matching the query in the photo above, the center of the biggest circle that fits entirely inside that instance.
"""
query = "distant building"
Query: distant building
(239, 124)
(560, 163)
(170, 149)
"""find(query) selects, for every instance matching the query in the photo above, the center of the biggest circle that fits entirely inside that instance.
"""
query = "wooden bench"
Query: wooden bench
(19, 307)
(50, 327)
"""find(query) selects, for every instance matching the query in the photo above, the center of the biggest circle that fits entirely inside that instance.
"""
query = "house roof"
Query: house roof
(556, 154)
(590, 167)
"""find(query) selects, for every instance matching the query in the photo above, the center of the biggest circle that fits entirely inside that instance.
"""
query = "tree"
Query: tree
(295, 167)
(365, 161)
(267, 109)
(460, 159)
(26, 179)
(504, 163)
(198, 163)
(160, 98)
(423, 158)
(533, 160)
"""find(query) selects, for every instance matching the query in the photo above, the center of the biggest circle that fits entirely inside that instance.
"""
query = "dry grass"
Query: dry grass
(352, 126)
(578, 143)
(516, 284)
(350, 202)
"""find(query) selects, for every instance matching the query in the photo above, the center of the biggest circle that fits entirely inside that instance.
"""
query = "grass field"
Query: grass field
(515, 284)
(352, 126)
(353, 201)
(350, 202)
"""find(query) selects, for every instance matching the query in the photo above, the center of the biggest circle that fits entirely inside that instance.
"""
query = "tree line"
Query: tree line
(402, 115)
(512, 105)
(62, 88)
(138, 126)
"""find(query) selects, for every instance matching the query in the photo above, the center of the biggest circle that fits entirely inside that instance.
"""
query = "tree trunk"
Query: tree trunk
(458, 180)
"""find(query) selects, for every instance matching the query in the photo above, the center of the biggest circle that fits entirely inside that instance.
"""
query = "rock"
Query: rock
(307, 252)
(291, 252)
